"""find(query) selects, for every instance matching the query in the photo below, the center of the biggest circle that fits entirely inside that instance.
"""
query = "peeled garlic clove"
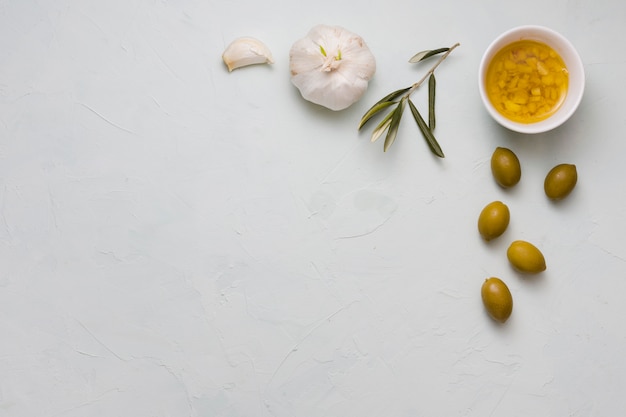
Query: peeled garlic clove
(331, 66)
(246, 51)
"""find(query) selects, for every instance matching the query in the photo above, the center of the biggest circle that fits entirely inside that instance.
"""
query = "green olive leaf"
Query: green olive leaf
(382, 126)
(394, 95)
(394, 124)
(432, 83)
(420, 56)
(374, 110)
(428, 134)
(378, 106)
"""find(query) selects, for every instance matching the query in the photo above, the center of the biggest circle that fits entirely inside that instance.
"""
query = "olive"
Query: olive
(493, 220)
(505, 167)
(525, 257)
(560, 181)
(497, 299)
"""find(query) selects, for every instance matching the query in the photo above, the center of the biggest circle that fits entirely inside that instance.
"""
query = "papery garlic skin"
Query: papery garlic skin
(246, 51)
(331, 66)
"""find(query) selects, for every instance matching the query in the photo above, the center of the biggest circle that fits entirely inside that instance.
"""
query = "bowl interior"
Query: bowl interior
(565, 49)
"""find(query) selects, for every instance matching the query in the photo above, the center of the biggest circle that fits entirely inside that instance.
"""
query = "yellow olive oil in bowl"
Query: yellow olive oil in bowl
(527, 81)
(531, 79)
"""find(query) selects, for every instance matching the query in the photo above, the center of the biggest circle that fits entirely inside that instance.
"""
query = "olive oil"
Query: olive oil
(527, 81)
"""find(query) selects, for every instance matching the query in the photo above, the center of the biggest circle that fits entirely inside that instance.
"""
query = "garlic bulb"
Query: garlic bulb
(331, 66)
(246, 51)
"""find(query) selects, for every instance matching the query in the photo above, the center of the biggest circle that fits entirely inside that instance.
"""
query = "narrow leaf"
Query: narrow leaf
(382, 126)
(376, 108)
(428, 134)
(395, 123)
(420, 56)
(394, 95)
(432, 83)
(388, 98)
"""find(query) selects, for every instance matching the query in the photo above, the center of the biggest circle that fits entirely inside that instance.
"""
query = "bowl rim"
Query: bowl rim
(572, 60)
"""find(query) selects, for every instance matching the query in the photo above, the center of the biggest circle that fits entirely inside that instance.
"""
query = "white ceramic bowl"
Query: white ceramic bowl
(564, 48)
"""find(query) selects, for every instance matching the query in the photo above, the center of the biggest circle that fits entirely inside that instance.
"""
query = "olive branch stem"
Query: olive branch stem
(431, 71)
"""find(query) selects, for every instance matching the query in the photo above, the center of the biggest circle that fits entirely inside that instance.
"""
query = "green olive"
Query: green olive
(560, 181)
(505, 167)
(493, 220)
(525, 257)
(497, 299)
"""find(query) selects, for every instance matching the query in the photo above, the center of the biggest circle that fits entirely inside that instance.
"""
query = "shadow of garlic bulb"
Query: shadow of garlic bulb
(331, 66)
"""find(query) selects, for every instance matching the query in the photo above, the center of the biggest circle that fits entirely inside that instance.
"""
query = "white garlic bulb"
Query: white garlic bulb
(331, 66)
(246, 51)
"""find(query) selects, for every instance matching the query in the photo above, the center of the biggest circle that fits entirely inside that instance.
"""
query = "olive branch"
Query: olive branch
(401, 98)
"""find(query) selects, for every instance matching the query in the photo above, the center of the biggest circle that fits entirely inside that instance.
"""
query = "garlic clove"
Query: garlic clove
(246, 51)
